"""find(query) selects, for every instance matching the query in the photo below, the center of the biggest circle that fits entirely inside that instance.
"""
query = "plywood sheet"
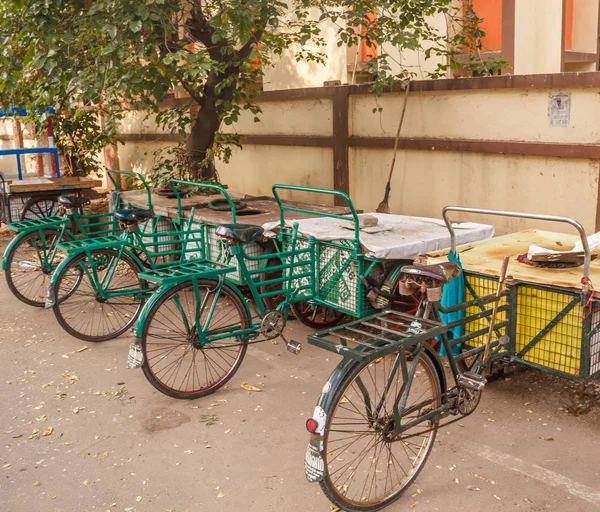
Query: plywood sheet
(47, 184)
(486, 257)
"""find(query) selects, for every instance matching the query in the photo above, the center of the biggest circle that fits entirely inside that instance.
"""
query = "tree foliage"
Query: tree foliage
(95, 59)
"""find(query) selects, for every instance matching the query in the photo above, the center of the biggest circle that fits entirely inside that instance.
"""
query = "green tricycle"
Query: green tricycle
(194, 331)
(34, 253)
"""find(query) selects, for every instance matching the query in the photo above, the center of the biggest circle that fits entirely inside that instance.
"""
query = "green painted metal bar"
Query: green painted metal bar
(213, 186)
(130, 173)
(353, 215)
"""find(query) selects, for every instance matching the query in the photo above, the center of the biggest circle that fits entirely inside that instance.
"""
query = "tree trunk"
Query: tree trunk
(201, 138)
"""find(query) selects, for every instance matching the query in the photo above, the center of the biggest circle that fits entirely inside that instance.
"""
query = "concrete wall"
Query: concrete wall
(426, 181)
(538, 29)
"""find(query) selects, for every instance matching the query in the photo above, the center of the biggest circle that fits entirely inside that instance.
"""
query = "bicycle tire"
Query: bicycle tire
(339, 493)
(33, 291)
(317, 316)
(81, 304)
(162, 324)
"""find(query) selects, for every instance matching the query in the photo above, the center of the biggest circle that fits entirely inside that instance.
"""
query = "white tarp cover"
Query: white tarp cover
(397, 237)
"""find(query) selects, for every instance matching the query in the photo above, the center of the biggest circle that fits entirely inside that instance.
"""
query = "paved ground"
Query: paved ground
(113, 443)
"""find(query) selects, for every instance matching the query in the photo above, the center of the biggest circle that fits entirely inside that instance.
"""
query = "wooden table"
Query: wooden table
(267, 206)
(486, 257)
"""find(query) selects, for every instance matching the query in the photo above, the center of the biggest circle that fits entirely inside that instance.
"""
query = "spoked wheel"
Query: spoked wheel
(174, 361)
(31, 262)
(82, 312)
(367, 464)
(39, 207)
(317, 316)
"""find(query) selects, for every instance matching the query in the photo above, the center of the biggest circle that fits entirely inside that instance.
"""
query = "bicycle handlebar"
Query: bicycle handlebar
(535, 216)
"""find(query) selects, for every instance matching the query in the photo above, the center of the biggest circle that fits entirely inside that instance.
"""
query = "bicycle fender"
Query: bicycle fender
(314, 460)
(155, 297)
(439, 367)
(10, 246)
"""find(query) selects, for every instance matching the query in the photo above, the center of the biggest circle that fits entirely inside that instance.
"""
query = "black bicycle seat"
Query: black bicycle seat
(244, 233)
(133, 216)
(73, 201)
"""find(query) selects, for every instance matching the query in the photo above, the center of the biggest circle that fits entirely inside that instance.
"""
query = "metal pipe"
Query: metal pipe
(535, 216)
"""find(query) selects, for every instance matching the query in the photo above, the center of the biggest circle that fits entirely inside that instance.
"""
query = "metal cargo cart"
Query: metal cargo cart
(553, 318)
(37, 197)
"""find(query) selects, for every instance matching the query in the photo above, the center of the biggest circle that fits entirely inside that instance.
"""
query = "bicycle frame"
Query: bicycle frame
(65, 222)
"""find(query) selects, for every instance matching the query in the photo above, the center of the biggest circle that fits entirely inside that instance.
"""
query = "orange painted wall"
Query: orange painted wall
(491, 13)
(568, 24)
(368, 52)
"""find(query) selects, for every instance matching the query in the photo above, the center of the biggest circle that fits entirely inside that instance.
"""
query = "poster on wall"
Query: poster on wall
(559, 110)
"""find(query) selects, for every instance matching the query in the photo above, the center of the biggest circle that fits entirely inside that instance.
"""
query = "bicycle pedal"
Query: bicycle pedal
(294, 347)
(471, 381)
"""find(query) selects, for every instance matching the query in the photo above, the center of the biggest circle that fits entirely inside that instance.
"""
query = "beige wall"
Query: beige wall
(300, 117)
(501, 114)
(538, 29)
(414, 61)
(255, 169)
(426, 181)
(287, 73)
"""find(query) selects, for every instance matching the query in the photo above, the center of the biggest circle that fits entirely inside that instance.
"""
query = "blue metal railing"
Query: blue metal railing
(31, 151)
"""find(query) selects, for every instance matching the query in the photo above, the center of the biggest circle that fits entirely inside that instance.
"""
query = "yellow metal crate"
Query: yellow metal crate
(480, 286)
(548, 328)
(559, 348)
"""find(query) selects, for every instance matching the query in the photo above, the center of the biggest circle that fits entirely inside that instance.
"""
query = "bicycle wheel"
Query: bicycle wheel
(174, 363)
(31, 262)
(79, 309)
(367, 466)
(39, 207)
(317, 316)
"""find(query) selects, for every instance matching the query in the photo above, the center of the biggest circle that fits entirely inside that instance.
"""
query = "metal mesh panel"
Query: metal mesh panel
(338, 281)
(595, 341)
(217, 250)
(337, 273)
(301, 243)
(478, 286)
(547, 333)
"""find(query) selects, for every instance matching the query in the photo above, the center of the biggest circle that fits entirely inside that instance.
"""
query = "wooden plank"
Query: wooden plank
(58, 184)
(486, 257)
(341, 177)
(508, 35)
(288, 140)
(552, 149)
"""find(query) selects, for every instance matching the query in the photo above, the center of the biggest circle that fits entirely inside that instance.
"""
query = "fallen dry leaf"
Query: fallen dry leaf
(414, 504)
(48, 431)
(68, 376)
(248, 387)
